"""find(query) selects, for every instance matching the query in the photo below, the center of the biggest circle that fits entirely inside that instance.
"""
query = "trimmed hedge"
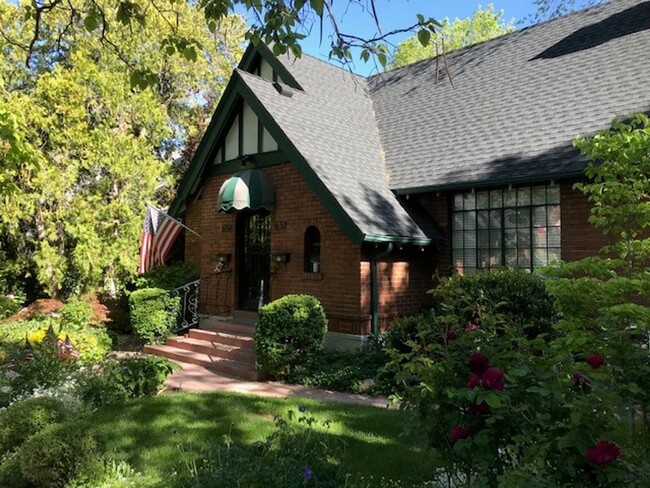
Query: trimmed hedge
(52, 457)
(23, 419)
(168, 277)
(288, 331)
(153, 314)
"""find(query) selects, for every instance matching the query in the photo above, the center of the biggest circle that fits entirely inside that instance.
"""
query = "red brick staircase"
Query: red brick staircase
(223, 346)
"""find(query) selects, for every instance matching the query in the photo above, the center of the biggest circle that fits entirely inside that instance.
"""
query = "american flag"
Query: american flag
(159, 233)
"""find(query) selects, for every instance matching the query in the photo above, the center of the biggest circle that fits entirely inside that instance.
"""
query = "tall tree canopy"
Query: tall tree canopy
(87, 150)
(483, 25)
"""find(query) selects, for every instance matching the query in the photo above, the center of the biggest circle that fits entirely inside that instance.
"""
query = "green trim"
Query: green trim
(262, 50)
(418, 241)
(255, 161)
(488, 183)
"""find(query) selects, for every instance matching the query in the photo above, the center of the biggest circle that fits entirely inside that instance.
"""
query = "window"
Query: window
(312, 250)
(515, 227)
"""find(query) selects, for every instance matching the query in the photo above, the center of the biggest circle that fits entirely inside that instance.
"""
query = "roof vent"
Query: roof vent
(283, 89)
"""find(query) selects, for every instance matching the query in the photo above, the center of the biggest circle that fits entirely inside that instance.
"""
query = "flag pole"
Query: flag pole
(178, 222)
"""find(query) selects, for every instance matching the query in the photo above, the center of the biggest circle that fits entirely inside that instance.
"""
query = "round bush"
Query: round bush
(23, 419)
(53, 456)
(289, 330)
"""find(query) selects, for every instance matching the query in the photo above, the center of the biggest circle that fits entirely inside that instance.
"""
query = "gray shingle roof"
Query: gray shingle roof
(517, 101)
(331, 124)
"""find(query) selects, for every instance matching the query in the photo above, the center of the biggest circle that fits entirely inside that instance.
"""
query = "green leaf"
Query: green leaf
(493, 400)
(317, 5)
(424, 36)
(91, 22)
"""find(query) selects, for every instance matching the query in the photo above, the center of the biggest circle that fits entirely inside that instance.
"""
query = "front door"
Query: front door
(254, 258)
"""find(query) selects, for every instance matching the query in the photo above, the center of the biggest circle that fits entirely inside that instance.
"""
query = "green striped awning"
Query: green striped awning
(251, 188)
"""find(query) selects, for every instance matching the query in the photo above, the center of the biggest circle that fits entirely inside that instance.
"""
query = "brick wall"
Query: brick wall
(579, 238)
(297, 207)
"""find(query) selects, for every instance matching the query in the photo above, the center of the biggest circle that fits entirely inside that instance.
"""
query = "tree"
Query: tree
(102, 148)
(550, 9)
(281, 23)
(482, 26)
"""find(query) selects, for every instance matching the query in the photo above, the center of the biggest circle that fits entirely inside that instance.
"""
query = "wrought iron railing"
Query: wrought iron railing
(214, 289)
(188, 312)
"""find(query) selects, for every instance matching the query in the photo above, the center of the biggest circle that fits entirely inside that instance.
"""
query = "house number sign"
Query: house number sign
(280, 225)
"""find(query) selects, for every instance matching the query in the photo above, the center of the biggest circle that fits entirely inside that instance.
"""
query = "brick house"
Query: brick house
(310, 179)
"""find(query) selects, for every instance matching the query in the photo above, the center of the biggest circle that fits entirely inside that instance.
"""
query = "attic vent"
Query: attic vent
(283, 89)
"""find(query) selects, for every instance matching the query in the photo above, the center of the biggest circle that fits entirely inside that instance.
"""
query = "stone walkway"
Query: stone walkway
(195, 378)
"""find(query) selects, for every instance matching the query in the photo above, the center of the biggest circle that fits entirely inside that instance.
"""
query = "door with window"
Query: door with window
(254, 258)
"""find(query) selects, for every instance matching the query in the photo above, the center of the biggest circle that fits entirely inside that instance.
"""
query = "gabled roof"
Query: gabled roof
(327, 129)
(517, 102)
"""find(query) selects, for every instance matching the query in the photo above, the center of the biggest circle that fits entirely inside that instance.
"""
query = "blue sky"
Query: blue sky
(394, 14)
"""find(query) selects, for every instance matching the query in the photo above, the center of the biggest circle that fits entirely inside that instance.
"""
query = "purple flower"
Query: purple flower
(473, 381)
(307, 472)
(302, 408)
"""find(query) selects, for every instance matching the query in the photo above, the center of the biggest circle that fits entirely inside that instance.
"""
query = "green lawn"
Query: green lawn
(142, 432)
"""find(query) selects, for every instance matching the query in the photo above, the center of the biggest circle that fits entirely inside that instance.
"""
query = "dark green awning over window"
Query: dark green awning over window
(251, 188)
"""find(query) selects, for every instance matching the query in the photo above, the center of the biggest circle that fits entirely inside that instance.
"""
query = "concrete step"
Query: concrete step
(227, 326)
(223, 338)
(226, 366)
(211, 348)
(244, 317)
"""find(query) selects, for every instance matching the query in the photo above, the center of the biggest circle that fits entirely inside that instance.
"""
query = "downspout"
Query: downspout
(374, 288)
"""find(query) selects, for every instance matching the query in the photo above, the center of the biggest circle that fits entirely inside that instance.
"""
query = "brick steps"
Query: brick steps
(226, 347)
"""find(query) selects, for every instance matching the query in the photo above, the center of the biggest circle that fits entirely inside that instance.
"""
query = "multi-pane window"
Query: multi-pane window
(515, 227)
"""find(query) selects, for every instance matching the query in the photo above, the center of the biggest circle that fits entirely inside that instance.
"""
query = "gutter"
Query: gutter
(374, 287)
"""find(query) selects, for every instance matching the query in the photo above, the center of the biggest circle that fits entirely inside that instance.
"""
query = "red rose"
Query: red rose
(478, 363)
(480, 409)
(473, 381)
(595, 361)
(459, 433)
(471, 327)
(451, 335)
(603, 453)
(492, 379)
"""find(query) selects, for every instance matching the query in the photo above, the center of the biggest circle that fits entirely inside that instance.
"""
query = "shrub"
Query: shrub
(76, 315)
(153, 314)
(518, 295)
(289, 330)
(23, 419)
(405, 329)
(118, 380)
(168, 277)
(8, 307)
(53, 456)
(10, 474)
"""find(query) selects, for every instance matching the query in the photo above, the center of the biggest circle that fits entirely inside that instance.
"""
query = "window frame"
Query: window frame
(514, 241)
